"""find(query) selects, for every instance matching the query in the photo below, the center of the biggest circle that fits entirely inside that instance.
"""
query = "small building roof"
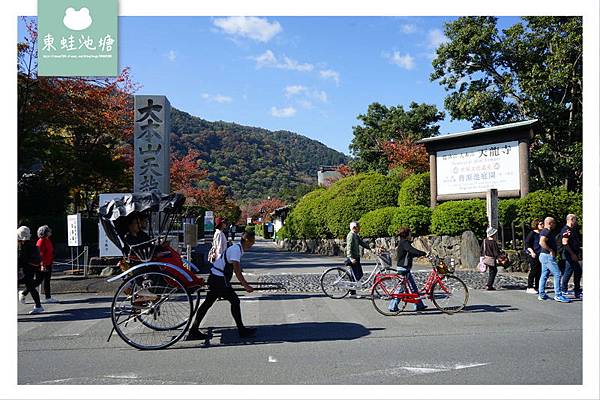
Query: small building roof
(280, 210)
(493, 129)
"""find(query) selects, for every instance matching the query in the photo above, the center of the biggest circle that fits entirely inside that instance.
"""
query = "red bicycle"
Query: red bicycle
(448, 293)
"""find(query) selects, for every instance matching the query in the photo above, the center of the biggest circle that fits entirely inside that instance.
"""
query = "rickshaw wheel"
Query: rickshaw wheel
(151, 310)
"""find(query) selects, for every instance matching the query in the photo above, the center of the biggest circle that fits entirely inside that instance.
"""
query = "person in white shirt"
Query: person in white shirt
(219, 287)
(219, 244)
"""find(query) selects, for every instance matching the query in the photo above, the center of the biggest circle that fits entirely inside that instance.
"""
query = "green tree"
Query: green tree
(381, 124)
(532, 69)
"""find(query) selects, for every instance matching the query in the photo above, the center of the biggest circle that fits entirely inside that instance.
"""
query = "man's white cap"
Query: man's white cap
(23, 233)
(353, 225)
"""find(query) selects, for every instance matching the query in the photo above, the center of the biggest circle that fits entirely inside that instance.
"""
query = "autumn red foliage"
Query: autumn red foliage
(261, 209)
(412, 157)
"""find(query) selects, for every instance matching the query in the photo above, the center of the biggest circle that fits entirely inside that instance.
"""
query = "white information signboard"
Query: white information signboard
(107, 248)
(209, 221)
(478, 168)
(74, 230)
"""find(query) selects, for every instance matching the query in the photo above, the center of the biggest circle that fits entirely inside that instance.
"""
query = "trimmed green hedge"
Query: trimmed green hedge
(377, 222)
(352, 197)
(555, 203)
(508, 210)
(416, 218)
(415, 191)
(306, 220)
(454, 217)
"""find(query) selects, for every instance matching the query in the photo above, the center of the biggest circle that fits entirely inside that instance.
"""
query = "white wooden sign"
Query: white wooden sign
(74, 230)
(478, 168)
(107, 248)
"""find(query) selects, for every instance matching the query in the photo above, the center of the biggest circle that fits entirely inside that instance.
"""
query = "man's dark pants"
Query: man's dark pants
(571, 268)
(357, 272)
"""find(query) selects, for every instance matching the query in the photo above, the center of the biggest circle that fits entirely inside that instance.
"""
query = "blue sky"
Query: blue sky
(309, 75)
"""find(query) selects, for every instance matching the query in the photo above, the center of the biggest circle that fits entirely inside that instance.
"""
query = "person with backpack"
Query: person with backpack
(28, 261)
(548, 261)
(219, 286)
(568, 245)
(219, 243)
(533, 250)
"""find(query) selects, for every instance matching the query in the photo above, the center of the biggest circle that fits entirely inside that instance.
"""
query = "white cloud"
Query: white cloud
(306, 104)
(283, 112)
(330, 74)
(259, 29)
(217, 98)
(294, 89)
(172, 55)
(435, 37)
(405, 61)
(268, 59)
(408, 28)
(77, 20)
(320, 95)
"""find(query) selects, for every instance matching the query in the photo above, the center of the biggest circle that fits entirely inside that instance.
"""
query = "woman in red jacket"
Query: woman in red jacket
(47, 252)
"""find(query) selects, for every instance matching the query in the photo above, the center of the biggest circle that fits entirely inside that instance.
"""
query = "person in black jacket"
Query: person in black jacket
(28, 260)
(533, 249)
(404, 261)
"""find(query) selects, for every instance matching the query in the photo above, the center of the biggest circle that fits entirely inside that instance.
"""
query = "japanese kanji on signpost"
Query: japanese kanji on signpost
(152, 125)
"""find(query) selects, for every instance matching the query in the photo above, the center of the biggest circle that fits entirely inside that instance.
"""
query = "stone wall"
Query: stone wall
(464, 249)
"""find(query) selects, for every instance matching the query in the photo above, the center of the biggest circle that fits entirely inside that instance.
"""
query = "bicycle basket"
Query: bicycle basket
(443, 268)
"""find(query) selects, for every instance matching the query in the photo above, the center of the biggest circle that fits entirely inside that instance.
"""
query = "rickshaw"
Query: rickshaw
(153, 307)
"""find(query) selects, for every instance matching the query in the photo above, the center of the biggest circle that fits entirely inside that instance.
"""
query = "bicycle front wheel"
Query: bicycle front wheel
(450, 294)
(151, 310)
(382, 295)
(334, 283)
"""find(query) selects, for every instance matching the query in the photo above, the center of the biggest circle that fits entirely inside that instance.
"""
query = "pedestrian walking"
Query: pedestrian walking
(533, 250)
(404, 261)
(353, 243)
(491, 251)
(219, 286)
(548, 261)
(28, 260)
(46, 250)
(219, 243)
(569, 249)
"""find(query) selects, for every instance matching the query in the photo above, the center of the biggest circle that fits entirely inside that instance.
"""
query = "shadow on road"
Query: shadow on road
(477, 308)
(294, 333)
(75, 314)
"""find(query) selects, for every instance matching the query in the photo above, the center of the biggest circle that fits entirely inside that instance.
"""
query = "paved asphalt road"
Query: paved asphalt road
(502, 337)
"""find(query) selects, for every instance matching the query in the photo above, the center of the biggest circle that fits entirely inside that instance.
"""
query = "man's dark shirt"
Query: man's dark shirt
(550, 242)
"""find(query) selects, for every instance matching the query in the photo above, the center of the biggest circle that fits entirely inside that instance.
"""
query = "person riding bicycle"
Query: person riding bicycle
(219, 287)
(405, 254)
(353, 243)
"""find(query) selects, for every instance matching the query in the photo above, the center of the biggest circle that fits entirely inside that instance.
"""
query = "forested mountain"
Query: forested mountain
(253, 162)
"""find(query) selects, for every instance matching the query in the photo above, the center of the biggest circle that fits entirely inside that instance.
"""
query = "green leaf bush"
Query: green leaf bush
(415, 191)
(352, 197)
(376, 223)
(454, 217)
(556, 203)
(416, 218)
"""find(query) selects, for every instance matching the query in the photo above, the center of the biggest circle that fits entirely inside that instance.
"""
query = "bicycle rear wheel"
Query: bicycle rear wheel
(334, 281)
(151, 310)
(450, 294)
(382, 295)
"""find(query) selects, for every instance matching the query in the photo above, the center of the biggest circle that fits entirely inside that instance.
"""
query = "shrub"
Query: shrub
(508, 211)
(306, 220)
(454, 217)
(415, 191)
(352, 197)
(556, 203)
(282, 233)
(259, 230)
(377, 222)
(416, 218)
